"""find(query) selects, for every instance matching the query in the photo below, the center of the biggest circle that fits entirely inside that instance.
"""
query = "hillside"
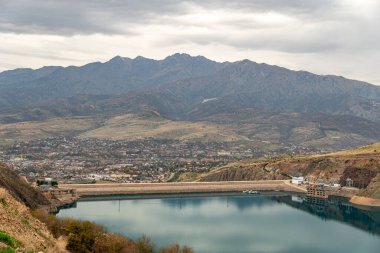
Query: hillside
(365, 150)
(244, 99)
(362, 165)
(134, 127)
(20, 230)
(20, 189)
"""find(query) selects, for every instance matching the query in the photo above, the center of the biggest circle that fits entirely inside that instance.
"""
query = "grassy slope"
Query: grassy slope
(366, 150)
(130, 126)
(124, 127)
(25, 131)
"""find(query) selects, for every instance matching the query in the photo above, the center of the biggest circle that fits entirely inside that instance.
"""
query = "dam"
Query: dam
(186, 187)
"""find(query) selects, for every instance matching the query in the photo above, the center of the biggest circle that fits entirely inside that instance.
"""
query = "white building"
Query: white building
(298, 180)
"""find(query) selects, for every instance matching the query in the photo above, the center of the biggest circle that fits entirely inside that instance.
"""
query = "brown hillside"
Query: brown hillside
(361, 165)
(30, 233)
(20, 189)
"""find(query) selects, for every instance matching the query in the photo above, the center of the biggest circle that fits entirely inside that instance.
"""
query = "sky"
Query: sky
(340, 37)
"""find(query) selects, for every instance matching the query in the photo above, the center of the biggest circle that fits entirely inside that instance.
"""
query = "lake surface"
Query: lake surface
(237, 224)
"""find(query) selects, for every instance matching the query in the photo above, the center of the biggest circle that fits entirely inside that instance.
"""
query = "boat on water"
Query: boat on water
(251, 192)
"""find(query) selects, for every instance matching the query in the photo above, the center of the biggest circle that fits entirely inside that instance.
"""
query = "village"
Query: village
(73, 160)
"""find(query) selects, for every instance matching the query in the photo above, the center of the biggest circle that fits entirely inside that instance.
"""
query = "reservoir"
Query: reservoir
(237, 223)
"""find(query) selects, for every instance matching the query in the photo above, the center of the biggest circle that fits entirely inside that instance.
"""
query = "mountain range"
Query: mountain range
(256, 102)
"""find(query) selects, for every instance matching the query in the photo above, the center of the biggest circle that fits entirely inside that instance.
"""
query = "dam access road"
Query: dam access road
(183, 187)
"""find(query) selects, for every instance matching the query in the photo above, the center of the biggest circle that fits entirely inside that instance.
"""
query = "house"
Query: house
(298, 180)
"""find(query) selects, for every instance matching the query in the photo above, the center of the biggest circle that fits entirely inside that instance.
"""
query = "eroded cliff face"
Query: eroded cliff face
(244, 172)
(30, 233)
(20, 189)
(363, 169)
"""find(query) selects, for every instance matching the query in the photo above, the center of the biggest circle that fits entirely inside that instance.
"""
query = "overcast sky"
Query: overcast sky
(339, 37)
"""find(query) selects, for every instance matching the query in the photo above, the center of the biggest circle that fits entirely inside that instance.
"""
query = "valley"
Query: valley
(189, 126)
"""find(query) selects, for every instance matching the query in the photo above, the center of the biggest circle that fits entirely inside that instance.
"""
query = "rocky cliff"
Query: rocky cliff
(20, 189)
(361, 165)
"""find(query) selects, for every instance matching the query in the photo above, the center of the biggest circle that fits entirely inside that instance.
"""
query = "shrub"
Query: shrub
(7, 250)
(112, 243)
(54, 224)
(9, 240)
(145, 245)
(88, 237)
(176, 248)
(82, 235)
(3, 202)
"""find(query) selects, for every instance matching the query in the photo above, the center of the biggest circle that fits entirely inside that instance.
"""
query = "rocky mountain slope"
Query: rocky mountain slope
(20, 189)
(194, 82)
(257, 101)
(362, 165)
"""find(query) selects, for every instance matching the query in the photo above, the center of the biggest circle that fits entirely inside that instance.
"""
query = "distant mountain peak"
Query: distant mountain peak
(142, 58)
(246, 62)
(178, 56)
(118, 59)
(183, 55)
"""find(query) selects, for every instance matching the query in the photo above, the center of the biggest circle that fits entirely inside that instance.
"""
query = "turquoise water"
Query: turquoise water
(233, 224)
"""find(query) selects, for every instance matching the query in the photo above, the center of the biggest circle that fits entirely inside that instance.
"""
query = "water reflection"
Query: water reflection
(336, 208)
(239, 223)
(240, 202)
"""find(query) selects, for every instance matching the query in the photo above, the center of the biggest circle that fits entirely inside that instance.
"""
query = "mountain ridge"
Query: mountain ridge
(181, 87)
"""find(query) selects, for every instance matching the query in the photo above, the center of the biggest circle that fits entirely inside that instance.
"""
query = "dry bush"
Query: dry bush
(176, 248)
(112, 243)
(145, 245)
(82, 235)
(54, 224)
(88, 237)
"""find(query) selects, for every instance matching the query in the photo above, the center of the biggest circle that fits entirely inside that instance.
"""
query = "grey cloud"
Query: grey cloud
(273, 43)
(315, 28)
(71, 17)
(46, 55)
(114, 16)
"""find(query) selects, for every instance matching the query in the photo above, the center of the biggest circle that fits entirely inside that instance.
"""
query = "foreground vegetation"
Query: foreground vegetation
(8, 242)
(88, 237)
(21, 232)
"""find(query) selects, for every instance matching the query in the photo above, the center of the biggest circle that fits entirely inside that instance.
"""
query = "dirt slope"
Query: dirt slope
(361, 165)
(20, 189)
(17, 222)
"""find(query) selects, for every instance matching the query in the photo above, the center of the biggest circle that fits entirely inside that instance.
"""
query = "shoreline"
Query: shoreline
(365, 201)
